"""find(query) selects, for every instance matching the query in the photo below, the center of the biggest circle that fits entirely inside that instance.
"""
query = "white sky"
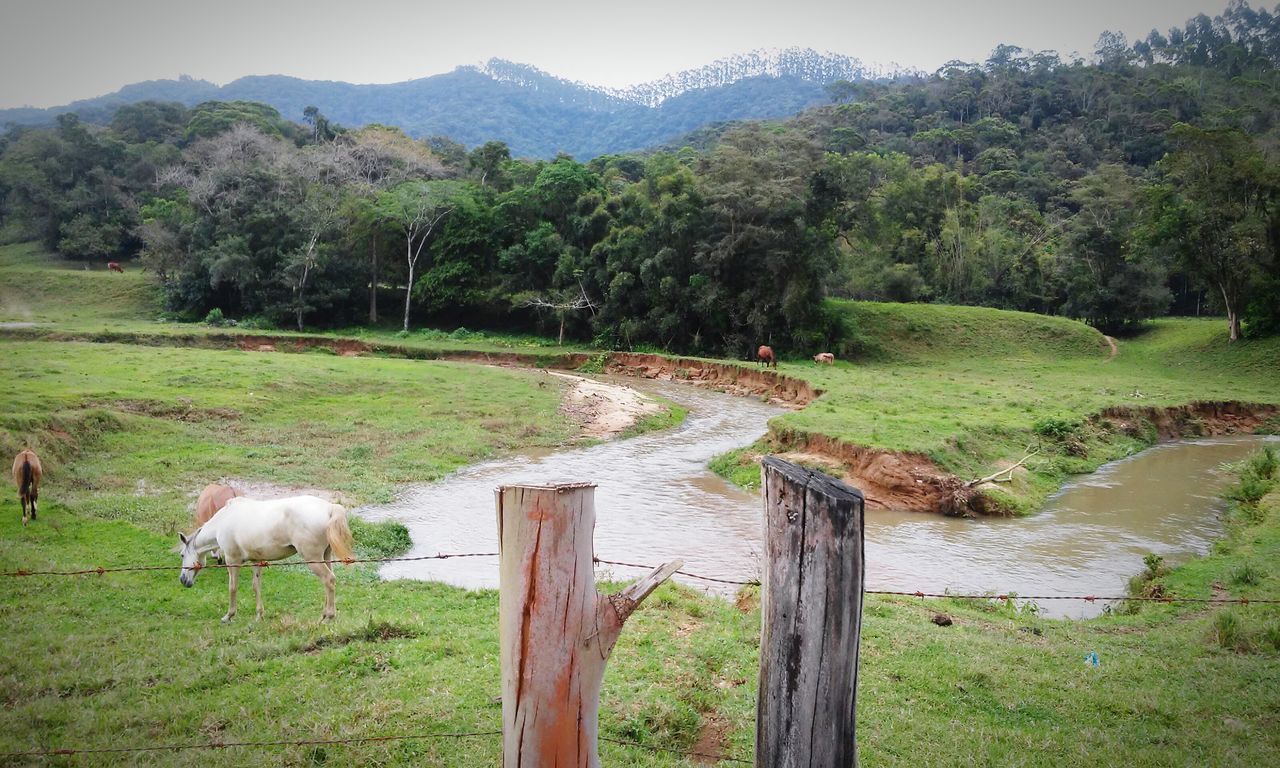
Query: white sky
(55, 51)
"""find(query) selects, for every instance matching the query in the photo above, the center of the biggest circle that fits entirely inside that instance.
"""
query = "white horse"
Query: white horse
(246, 530)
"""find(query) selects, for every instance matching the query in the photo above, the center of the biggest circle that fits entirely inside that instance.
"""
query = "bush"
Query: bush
(594, 364)
(215, 318)
(1054, 428)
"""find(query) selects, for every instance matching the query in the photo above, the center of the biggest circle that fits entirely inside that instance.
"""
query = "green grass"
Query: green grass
(967, 386)
(145, 427)
(61, 296)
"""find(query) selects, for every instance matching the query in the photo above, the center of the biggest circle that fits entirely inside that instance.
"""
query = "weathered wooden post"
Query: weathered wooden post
(556, 631)
(811, 613)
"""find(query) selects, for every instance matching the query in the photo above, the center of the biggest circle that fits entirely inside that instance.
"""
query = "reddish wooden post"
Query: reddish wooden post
(556, 632)
(811, 615)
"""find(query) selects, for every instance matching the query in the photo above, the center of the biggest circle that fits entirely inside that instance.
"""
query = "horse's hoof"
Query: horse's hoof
(227, 619)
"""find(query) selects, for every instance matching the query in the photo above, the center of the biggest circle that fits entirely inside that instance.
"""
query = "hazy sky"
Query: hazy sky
(54, 51)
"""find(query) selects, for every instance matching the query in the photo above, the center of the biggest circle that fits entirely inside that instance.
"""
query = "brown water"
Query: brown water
(656, 501)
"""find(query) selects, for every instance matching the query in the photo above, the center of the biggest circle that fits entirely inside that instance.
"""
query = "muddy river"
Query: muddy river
(656, 500)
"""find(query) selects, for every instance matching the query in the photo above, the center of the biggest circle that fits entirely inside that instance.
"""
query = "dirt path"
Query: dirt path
(604, 410)
(1114, 349)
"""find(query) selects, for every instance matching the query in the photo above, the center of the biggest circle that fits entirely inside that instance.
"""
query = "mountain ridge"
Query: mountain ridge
(535, 112)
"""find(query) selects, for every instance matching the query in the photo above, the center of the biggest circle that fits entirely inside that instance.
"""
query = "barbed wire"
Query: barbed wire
(1001, 596)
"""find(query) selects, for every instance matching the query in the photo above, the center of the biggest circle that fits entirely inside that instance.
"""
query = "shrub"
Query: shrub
(215, 318)
(594, 364)
(1054, 428)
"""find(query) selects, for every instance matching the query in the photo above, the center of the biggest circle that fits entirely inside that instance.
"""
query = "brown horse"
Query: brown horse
(26, 475)
(213, 498)
(114, 266)
(764, 355)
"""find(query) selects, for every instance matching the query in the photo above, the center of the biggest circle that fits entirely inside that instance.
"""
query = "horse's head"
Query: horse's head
(191, 560)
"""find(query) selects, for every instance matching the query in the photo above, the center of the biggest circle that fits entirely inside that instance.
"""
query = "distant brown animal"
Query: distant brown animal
(824, 357)
(114, 266)
(213, 498)
(764, 355)
(26, 475)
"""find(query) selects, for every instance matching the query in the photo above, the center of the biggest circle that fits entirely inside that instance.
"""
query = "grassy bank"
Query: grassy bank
(973, 388)
(145, 427)
(62, 296)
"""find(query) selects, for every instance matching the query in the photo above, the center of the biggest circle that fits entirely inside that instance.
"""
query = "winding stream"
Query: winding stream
(656, 500)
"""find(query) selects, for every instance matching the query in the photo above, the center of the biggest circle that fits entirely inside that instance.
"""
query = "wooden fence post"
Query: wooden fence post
(811, 615)
(556, 632)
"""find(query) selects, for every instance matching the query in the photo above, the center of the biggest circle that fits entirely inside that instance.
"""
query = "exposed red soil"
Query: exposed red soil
(1198, 419)
(913, 482)
(889, 479)
(725, 377)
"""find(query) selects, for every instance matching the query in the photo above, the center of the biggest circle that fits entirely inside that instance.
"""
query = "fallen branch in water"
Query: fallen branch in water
(995, 476)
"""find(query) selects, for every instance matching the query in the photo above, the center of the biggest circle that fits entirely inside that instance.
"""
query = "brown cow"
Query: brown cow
(764, 355)
(213, 498)
(824, 357)
(26, 475)
(114, 266)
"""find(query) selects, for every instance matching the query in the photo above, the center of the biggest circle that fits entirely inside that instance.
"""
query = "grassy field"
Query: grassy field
(971, 387)
(133, 659)
(62, 296)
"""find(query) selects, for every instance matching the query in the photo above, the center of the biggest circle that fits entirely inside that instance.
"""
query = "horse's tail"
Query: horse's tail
(24, 486)
(338, 533)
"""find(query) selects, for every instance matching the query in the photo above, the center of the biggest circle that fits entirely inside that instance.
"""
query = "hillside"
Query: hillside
(535, 113)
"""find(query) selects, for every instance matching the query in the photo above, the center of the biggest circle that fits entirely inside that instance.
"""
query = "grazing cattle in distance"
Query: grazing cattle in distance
(26, 475)
(114, 266)
(765, 356)
(824, 357)
(257, 531)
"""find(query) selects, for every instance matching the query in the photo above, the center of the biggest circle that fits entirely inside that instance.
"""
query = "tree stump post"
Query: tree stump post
(556, 631)
(811, 616)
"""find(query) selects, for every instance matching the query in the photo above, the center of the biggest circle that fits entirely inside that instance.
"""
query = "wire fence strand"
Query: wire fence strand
(999, 596)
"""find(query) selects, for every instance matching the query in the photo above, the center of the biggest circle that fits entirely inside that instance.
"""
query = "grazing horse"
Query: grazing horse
(26, 475)
(764, 355)
(114, 266)
(824, 357)
(257, 531)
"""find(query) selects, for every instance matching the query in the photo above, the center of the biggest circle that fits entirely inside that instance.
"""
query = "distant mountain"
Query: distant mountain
(535, 113)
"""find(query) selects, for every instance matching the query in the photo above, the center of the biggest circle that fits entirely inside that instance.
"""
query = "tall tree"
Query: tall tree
(415, 208)
(1218, 217)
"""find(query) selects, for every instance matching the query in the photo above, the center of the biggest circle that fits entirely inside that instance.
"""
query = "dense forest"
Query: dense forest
(1137, 184)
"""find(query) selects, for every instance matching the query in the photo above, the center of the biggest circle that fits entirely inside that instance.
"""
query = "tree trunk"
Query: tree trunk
(408, 290)
(556, 632)
(811, 612)
(560, 341)
(373, 282)
(1233, 319)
